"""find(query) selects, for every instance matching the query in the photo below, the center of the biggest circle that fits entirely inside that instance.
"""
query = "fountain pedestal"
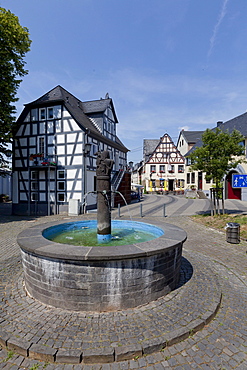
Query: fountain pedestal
(103, 177)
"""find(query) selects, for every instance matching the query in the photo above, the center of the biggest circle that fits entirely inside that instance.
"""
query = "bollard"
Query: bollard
(141, 210)
(164, 210)
(118, 206)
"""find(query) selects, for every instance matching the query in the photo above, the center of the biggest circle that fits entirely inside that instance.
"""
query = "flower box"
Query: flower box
(38, 155)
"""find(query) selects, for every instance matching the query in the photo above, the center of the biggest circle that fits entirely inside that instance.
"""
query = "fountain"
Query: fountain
(107, 276)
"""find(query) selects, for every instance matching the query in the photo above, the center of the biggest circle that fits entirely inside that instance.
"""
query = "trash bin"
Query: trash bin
(232, 232)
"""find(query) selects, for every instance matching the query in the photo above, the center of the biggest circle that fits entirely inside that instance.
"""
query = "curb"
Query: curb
(107, 354)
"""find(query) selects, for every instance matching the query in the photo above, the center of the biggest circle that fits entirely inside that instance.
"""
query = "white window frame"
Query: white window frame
(41, 147)
(58, 171)
(33, 196)
(48, 113)
(61, 182)
(34, 186)
(41, 111)
(34, 175)
(58, 194)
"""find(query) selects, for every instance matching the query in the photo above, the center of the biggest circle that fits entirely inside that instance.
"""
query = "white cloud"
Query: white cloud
(217, 26)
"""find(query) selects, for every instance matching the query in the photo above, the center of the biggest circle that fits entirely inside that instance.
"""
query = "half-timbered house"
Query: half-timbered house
(164, 168)
(54, 149)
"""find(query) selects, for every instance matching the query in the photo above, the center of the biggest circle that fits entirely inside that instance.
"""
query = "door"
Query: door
(200, 181)
(232, 193)
(171, 183)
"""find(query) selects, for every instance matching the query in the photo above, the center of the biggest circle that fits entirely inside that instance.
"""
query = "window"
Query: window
(34, 115)
(153, 168)
(61, 174)
(60, 197)
(180, 168)
(42, 114)
(34, 175)
(188, 161)
(188, 178)
(180, 183)
(41, 144)
(171, 168)
(50, 113)
(193, 178)
(34, 185)
(207, 181)
(61, 185)
(162, 168)
(34, 197)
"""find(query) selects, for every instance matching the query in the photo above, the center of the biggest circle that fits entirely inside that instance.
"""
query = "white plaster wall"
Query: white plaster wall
(27, 130)
(32, 141)
(77, 160)
(19, 132)
(71, 138)
(60, 139)
(35, 129)
(66, 113)
(61, 161)
(42, 197)
(42, 127)
(23, 196)
(23, 141)
(61, 150)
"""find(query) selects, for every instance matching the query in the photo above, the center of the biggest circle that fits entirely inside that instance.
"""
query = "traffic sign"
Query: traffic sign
(239, 181)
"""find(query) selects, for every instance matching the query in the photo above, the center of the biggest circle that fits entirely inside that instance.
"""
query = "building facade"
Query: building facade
(163, 168)
(197, 179)
(54, 152)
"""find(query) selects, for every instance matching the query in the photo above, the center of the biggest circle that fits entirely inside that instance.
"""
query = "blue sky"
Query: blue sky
(167, 64)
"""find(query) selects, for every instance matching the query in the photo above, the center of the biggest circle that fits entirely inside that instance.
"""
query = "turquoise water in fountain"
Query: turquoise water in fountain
(85, 233)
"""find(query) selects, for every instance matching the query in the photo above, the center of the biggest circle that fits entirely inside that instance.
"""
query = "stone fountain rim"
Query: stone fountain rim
(32, 241)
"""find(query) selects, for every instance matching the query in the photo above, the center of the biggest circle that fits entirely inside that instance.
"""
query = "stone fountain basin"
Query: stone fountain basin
(100, 278)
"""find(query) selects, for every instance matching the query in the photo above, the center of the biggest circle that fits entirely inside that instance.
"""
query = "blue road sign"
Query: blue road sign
(239, 181)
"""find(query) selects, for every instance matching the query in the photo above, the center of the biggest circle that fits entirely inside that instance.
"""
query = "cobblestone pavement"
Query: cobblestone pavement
(220, 344)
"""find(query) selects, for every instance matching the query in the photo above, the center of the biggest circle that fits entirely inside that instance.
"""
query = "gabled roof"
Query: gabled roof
(192, 136)
(56, 94)
(98, 106)
(238, 123)
(164, 140)
(75, 107)
(149, 145)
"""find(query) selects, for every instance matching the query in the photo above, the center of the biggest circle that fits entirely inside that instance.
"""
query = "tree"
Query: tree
(220, 151)
(14, 44)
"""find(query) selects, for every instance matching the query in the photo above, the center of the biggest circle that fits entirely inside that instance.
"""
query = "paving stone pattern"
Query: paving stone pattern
(220, 344)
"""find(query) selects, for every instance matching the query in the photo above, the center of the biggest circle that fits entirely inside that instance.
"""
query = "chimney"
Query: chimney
(219, 123)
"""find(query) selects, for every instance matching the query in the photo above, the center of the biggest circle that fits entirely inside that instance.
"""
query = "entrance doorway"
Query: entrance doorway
(200, 181)
(170, 185)
(231, 193)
